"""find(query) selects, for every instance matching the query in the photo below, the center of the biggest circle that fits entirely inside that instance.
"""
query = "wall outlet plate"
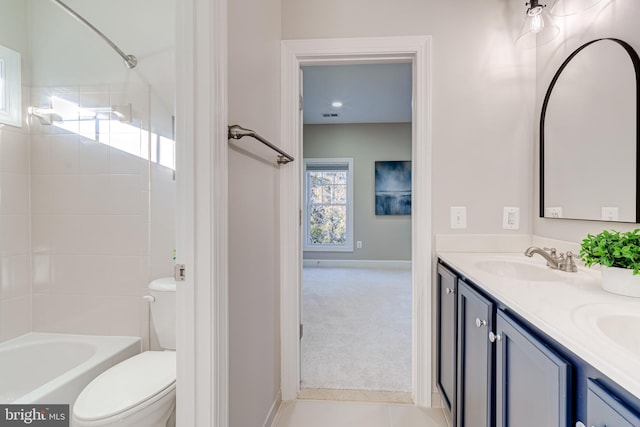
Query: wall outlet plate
(609, 213)
(511, 218)
(553, 212)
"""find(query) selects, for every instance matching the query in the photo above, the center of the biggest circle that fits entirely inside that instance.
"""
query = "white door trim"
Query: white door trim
(201, 211)
(296, 53)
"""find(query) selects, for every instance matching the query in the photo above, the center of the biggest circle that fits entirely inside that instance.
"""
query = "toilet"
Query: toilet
(139, 391)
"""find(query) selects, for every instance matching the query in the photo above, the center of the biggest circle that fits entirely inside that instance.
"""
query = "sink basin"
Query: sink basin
(619, 324)
(518, 270)
(622, 329)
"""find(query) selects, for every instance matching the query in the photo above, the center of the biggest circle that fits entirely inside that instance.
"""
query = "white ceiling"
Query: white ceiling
(370, 93)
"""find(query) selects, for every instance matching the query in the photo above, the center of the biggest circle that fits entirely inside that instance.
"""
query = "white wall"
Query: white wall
(611, 18)
(482, 95)
(383, 237)
(254, 102)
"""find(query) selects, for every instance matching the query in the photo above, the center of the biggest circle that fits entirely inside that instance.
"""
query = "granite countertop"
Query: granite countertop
(568, 309)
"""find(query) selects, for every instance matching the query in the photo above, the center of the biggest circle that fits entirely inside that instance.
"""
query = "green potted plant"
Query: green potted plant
(619, 255)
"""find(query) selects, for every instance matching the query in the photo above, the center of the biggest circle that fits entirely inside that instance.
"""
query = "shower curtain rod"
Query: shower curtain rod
(129, 60)
(237, 132)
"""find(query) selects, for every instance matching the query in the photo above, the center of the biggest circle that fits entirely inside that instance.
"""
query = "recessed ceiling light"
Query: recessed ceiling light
(336, 104)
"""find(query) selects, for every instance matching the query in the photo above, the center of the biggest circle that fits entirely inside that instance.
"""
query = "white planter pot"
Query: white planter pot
(621, 281)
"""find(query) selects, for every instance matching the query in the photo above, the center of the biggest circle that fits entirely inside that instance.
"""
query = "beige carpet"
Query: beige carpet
(357, 329)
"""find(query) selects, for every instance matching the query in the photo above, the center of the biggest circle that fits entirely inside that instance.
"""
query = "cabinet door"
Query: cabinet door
(475, 359)
(606, 410)
(446, 337)
(532, 381)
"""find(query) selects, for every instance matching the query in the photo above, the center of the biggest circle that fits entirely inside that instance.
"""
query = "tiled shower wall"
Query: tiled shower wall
(90, 218)
(76, 230)
(15, 291)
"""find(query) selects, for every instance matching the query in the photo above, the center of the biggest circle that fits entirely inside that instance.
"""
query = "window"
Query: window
(10, 88)
(328, 224)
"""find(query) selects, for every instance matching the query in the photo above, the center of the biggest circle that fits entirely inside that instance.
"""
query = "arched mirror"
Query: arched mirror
(589, 139)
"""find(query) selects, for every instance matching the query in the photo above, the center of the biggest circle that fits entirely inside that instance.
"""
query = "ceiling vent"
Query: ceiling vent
(329, 115)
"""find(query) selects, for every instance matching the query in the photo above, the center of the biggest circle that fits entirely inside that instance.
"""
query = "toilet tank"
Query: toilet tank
(163, 311)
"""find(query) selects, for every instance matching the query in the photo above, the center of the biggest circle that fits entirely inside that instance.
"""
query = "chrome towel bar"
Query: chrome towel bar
(237, 132)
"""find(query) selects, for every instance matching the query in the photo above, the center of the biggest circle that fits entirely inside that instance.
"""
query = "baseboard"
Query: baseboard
(271, 417)
(343, 263)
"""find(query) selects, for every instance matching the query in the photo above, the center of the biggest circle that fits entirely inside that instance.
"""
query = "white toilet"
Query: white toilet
(140, 391)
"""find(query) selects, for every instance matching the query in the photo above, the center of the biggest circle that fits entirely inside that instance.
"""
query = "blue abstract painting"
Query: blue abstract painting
(393, 187)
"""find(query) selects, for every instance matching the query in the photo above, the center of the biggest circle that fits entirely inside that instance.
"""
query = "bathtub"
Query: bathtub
(54, 368)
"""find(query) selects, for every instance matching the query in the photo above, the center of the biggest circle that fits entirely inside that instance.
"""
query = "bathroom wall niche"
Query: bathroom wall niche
(589, 139)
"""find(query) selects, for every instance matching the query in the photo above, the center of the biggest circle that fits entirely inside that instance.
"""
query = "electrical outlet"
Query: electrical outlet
(609, 213)
(458, 217)
(554, 212)
(359, 244)
(511, 218)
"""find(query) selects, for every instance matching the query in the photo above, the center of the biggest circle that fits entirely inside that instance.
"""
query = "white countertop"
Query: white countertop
(566, 310)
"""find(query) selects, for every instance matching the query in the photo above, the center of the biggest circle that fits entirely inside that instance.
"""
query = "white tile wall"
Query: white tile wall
(15, 290)
(90, 224)
(78, 243)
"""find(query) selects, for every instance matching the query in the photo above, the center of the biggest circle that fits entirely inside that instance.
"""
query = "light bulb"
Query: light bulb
(537, 23)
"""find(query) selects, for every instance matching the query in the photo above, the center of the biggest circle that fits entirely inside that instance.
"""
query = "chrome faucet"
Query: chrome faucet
(562, 262)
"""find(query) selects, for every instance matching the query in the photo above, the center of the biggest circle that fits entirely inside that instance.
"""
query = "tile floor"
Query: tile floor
(308, 413)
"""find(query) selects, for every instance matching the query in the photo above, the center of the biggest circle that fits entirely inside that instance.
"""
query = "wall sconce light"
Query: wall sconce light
(571, 7)
(538, 28)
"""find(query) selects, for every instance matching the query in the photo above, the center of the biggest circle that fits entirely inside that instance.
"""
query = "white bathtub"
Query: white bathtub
(54, 368)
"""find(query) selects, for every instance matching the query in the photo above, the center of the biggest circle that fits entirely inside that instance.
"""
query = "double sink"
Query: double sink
(614, 323)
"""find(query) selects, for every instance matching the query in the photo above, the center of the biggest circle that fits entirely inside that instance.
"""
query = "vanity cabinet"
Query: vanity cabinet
(505, 375)
(475, 358)
(446, 338)
(604, 409)
(533, 383)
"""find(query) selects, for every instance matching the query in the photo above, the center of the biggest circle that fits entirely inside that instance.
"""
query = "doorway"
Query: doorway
(298, 53)
(356, 280)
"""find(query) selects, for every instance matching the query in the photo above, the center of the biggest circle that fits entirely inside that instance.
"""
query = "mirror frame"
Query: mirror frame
(635, 59)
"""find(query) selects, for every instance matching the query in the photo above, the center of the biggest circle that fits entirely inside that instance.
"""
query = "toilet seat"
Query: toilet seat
(128, 387)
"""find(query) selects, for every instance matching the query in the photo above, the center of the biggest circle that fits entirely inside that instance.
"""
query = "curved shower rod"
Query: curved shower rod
(237, 132)
(129, 60)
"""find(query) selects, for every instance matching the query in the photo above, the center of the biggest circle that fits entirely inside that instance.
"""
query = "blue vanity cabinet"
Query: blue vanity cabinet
(497, 369)
(446, 339)
(533, 383)
(604, 409)
(475, 359)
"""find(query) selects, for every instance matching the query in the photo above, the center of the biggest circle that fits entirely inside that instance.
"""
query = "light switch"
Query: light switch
(458, 217)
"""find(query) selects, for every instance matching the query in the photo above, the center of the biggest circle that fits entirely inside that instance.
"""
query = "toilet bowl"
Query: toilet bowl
(140, 391)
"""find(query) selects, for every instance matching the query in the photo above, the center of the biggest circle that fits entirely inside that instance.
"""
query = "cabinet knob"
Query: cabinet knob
(494, 337)
(480, 323)
(450, 291)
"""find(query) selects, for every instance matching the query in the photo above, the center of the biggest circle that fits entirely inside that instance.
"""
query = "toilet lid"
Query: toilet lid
(127, 385)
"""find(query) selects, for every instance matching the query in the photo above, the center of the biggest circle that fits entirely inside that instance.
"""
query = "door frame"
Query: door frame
(202, 336)
(298, 53)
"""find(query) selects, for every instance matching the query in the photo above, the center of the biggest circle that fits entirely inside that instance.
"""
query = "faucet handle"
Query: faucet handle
(568, 264)
(552, 251)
